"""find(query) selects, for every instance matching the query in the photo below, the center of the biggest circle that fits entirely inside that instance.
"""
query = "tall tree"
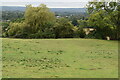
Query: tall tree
(39, 17)
(38, 22)
(104, 16)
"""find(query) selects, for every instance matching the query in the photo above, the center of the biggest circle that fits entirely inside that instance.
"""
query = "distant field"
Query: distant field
(60, 58)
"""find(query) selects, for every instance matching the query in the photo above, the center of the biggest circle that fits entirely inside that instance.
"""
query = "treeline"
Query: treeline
(40, 22)
(12, 15)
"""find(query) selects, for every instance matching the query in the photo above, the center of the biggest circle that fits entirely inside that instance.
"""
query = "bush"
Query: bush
(81, 33)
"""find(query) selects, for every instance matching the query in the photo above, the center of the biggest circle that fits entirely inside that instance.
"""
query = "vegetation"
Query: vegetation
(12, 15)
(40, 22)
(104, 18)
(73, 57)
(59, 58)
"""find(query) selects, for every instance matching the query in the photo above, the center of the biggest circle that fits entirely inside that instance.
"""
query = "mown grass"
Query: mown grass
(59, 58)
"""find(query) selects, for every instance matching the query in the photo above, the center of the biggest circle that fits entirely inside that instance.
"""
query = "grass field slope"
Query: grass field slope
(59, 58)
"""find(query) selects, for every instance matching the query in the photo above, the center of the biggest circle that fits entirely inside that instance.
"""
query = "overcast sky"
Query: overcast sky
(44, 0)
(49, 3)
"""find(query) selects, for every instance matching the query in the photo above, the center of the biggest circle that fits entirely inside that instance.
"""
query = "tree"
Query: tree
(15, 28)
(37, 23)
(39, 18)
(63, 28)
(101, 5)
(75, 22)
(104, 17)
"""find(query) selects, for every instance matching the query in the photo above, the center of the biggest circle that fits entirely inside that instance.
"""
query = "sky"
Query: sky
(49, 3)
(44, 0)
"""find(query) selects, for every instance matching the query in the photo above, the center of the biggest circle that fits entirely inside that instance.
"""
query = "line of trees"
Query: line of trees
(11, 15)
(40, 22)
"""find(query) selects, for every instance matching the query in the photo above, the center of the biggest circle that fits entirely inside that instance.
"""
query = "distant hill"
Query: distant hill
(71, 10)
(12, 8)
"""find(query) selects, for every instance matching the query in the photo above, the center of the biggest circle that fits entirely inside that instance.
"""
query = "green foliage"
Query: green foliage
(40, 22)
(15, 29)
(83, 23)
(63, 28)
(37, 23)
(12, 15)
(4, 26)
(81, 33)
(104, 18)
(101, 5)
(75, 22)
(39, 18)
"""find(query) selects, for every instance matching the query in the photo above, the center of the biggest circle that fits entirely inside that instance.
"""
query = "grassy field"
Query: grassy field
(59, 58)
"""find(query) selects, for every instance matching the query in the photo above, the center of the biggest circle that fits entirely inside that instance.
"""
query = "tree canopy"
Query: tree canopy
(40, 22)
(104, 17)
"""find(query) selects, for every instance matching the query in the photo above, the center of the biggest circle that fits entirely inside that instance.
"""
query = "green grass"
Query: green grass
(59, 58)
